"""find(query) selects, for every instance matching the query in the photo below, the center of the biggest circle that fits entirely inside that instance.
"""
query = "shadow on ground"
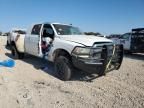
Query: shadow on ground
(48, 67)
(136, 56)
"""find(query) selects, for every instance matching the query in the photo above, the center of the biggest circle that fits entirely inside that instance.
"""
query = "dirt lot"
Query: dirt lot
(28, 86)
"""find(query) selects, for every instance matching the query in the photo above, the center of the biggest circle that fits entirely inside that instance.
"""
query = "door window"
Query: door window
(36, 29)
(125, 37)
(48, 31)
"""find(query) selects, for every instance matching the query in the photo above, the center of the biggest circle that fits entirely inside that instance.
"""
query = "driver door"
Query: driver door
(125, 40)
(34, 40)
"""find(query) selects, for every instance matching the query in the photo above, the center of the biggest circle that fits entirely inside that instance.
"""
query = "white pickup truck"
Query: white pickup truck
(68, 48)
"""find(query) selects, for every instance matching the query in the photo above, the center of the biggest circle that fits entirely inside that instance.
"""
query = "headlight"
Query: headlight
(86, 52)
(81, 51)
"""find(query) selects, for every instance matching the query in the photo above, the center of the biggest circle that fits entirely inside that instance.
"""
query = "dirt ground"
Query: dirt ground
(28, 86)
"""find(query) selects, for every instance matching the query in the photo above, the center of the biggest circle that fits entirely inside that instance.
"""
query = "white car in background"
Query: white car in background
(13, 33)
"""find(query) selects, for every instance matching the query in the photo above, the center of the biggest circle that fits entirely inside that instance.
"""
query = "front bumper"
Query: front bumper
(102, 65)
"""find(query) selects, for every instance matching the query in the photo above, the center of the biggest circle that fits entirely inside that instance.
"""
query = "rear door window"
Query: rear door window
(36, 29)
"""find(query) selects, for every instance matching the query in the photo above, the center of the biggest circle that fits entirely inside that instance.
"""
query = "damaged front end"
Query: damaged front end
(100, 58)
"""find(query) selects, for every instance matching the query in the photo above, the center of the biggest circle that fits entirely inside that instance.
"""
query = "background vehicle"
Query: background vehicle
(4, 34)
(133, 42)
(68, 48)
(115, 38)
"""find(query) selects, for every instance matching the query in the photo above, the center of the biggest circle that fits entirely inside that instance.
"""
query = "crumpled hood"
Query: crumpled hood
(84, 39)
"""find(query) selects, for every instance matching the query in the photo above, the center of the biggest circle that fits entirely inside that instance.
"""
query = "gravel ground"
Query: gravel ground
(28, 86)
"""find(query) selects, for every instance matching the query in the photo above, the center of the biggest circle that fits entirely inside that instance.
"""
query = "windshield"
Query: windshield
(67, 30)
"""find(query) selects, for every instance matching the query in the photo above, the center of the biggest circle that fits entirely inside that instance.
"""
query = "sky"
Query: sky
(104, 16)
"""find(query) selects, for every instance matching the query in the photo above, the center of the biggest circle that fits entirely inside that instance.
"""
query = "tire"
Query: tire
(63, 67)
(16, 54)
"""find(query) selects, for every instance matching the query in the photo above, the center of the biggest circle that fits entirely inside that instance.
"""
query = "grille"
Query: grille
(97, 49)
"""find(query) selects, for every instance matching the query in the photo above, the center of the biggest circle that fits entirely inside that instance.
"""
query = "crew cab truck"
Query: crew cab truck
(133, 42)
(68, 48)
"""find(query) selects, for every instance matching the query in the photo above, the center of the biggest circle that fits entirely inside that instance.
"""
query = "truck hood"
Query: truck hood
(84, 39)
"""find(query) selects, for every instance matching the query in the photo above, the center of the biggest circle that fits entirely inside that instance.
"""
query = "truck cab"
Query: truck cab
(134, 41)
(68, 48)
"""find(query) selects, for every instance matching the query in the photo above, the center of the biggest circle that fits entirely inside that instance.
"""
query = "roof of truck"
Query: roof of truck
(50, 23)
(55, 23)
(138, 29)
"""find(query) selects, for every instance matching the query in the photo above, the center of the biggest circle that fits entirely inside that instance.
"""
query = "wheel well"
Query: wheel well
(61, 52)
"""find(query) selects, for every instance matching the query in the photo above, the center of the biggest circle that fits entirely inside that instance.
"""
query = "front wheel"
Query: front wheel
(63, 67)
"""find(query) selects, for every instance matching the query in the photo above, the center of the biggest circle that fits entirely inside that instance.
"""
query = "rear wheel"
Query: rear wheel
(16, 53)
(63, 68)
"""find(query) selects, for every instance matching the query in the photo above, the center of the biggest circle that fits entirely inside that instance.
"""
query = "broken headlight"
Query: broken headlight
(87, 52)
(81, 51)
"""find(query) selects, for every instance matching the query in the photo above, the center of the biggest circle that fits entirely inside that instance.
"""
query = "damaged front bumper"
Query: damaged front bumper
(106, 60)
